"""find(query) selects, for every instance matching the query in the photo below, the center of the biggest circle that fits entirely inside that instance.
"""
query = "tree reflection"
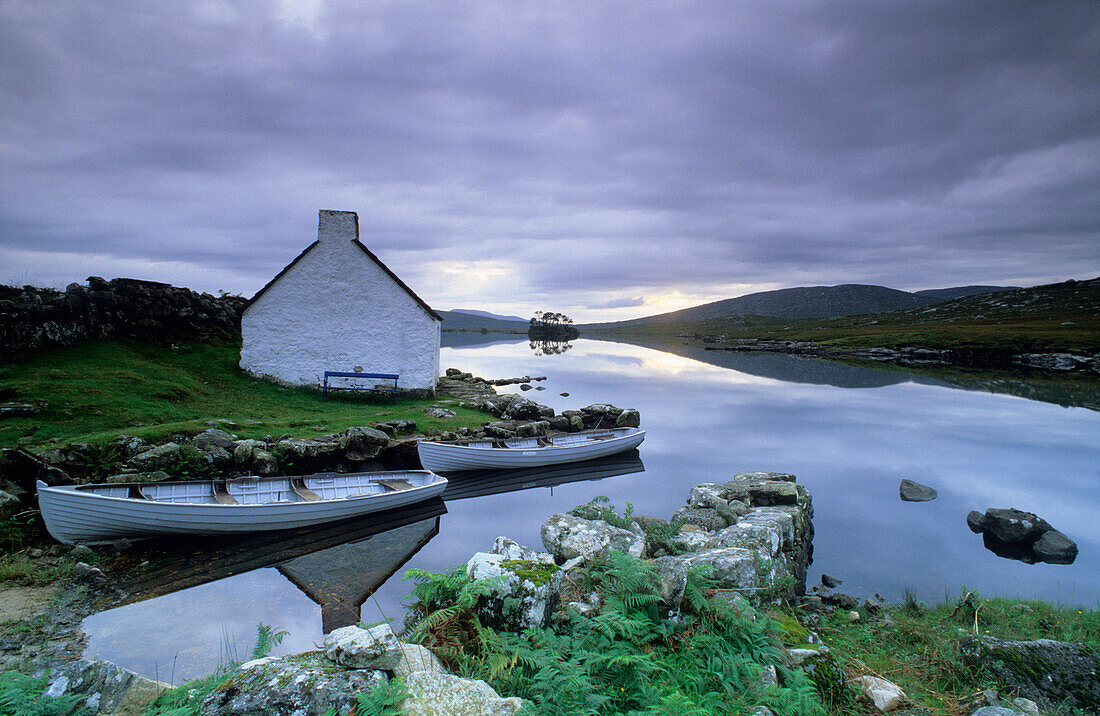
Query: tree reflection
(550, 348)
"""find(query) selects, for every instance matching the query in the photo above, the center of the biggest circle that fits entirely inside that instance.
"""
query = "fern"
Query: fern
(383, 700)
(267, 638)
(22, 695)
(629, 658)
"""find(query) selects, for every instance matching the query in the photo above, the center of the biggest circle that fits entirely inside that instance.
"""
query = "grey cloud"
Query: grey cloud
(598, 146)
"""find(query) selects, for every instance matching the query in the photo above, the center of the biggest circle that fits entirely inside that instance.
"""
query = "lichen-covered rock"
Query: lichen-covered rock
(1051, 673)
(524, 589)
(629, 418)
(731, 568)
(214, 437)
(245, 449)
(362, 443)
(156, 458)
(707, 518)
(358, 648)
(417, 658)
(105, 687)
(567, 537)
(434, 694)
(301, 685)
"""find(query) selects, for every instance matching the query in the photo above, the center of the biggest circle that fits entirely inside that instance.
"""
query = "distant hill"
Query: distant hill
(465, 320)
(790, 303)
(486, 314)
(946, 294)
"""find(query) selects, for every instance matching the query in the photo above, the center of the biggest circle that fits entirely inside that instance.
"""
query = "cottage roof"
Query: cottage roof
(365, 250)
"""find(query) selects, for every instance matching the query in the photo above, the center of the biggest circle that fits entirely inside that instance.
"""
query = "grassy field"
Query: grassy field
(97, 391)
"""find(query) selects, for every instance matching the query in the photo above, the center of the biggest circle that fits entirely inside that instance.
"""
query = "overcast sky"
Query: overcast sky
(608, 160)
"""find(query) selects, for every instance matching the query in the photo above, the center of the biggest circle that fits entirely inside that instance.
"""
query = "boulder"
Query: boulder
(885, 695)
(358, 648)
(156, 458)
(830, 581)
(1055, 548)
(300, 685)
(731, 568)
(1051, 673)
(440, 413)
(362, 443)
(213, 437)
(244, 450)
(629, 418)
(435, 694)
(1014, 526)
(105, 687)
(911, 491)
(568, 537)
(708, 519)
(417, 658)
(154, 476)
(23, 469)
(523, 592)
(264, 463)
(306, 456)
(533, 429)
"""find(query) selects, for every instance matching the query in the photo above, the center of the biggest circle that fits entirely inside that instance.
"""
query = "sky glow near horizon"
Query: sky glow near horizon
(607, 160)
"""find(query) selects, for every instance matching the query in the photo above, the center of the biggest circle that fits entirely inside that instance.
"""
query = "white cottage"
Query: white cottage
(337, 307)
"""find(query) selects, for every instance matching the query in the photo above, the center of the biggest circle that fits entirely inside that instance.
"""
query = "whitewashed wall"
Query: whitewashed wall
(336, 309)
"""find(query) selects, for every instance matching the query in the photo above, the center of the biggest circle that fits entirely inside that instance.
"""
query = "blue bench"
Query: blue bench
(325, 387)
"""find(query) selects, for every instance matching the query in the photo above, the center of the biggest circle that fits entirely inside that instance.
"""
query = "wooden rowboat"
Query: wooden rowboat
(478, 454)
(95, 513)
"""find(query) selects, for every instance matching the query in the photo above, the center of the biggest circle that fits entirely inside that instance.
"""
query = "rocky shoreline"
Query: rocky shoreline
(910, 356)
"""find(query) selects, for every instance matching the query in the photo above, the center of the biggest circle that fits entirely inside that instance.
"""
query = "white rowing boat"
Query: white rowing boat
(94, 513)
(478, 454)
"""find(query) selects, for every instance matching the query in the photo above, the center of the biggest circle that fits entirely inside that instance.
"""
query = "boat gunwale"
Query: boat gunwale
(461, 442)
(161, 504)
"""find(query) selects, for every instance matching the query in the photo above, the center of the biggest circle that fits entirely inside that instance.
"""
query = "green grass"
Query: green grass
(918, 651)
(99, 390)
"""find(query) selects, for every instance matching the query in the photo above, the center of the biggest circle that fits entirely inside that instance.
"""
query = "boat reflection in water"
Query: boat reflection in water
(478, 483)
(210, 590)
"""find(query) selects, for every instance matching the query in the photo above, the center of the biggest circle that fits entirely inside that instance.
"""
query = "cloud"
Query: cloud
(697, 147)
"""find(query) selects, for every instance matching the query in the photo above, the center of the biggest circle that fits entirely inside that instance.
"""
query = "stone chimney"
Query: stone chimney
(337, 226)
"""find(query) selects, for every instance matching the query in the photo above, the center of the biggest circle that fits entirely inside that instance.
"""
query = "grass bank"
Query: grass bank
(96, 391)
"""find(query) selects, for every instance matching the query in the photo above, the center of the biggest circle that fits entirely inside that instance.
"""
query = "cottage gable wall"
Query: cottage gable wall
(336, 308)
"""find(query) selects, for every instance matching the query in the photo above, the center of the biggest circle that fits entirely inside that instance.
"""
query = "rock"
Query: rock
(797, 657)
(1051, 673)
(523, 593)
(156, 458)
(109, 689)
(706, 518)
(417, 658)
(567, 537)
(122, 545)
(731, 568)
(300, 685)
(24, 469)
(510, 549)
(244, 449)
(629, 418)
(852, 617)
(886, 696)
(212, 438)
(525, 386)
(304, 457)
(362, 443)
(576, 423)
(830, 581)
(564, 395)
(995, 711)
(81, 551)
(440, 413)
(18, 410)
(434, 694)
(916, 492)
(1027, 706)
(358, 648)
(975, 521)
(871, 606)
(154, 476)
(264, 463)
(533, 429)
(1014, 526)
(9, 505)
(83, 572)
(1055, 548)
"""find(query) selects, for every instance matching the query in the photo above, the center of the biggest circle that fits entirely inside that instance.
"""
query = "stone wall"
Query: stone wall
(32, 319)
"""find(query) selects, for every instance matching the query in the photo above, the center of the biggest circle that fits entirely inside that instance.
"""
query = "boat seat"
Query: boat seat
(135, 493)
(221, 493)
(395, 484)
(300, 489)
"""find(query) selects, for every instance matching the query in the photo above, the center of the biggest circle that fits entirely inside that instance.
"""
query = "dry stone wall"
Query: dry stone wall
(32, 319)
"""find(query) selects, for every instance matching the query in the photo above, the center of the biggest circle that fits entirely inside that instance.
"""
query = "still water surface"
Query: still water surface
(850, 435)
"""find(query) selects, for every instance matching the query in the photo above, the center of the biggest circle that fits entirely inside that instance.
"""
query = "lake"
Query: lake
(849, 433)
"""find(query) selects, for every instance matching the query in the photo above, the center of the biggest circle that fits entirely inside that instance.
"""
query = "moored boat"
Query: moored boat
(95, 513)
(481, 453)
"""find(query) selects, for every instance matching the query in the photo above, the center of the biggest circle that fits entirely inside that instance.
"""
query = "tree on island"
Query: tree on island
(551, 326)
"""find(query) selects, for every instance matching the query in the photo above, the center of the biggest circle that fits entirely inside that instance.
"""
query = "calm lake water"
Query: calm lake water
(850, 435)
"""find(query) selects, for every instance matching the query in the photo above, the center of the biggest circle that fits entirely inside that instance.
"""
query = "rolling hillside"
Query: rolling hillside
(804, 303)
(461, 320)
